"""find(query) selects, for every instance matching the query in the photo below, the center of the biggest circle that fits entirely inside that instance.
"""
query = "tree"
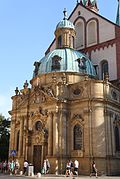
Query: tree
(4, 137)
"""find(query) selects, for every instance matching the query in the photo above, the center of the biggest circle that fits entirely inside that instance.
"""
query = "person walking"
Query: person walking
(25, 167)
(68, 165)
(76, 166)
(48, 165)
(17, 166)
(45, 166)
(94, 169)
(12, 167)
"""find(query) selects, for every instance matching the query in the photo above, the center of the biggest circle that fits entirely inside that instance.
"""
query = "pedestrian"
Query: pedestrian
(12, 167)
(68, 165)
(71, 168)
(5, 166)
(76, 166)
(17, 166)
(45, 166)
(48, 165)
(94, 169)
(25, 168)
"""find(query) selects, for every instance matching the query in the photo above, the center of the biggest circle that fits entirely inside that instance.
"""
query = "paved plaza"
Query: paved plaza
(2, 176)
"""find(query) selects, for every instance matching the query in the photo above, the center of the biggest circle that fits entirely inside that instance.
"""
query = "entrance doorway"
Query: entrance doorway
(37, 154)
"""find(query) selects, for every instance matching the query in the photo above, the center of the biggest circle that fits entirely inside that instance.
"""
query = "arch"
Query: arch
(77, 137)
(117, 139)
(104, 68)
(80, 33)
(92, 28)
(17, 143)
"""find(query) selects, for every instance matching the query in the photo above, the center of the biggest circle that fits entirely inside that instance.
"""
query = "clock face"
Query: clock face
(38, 126)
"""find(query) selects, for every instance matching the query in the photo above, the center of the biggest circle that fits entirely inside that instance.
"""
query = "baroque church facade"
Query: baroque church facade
(72, 109)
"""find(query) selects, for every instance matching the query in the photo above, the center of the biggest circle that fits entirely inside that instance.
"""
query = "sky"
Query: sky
(26, 30)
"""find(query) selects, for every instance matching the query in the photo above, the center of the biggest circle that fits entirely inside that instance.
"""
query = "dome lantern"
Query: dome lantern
(65, 33)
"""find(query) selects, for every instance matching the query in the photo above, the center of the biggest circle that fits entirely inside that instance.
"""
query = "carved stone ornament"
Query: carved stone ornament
(77, 91)
(116, 122)
(49, 91)
(40, 114)
(114, 95)
(77, 116)
(77, 119)
(77, 153)
(38, 138)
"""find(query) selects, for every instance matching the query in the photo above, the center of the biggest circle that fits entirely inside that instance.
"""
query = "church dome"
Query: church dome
(66, 60)
(65, 24)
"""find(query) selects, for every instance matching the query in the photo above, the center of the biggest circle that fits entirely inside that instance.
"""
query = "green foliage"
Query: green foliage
(4, 137)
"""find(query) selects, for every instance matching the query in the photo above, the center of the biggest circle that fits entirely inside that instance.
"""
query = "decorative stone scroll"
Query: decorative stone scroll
(77, 153)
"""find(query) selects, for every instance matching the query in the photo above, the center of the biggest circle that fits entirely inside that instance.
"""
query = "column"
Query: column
(55, 133)
(50, 134)
(64, 133)
(21, 137)
(12, 135)
(24, 137)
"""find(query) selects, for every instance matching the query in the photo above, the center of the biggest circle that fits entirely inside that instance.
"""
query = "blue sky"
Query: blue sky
(26, 30)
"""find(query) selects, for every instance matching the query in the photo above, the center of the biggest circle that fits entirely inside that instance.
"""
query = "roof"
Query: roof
(78, 4)
(65, 24)
(66, 60)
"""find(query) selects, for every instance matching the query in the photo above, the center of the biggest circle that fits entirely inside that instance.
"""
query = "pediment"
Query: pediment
(36, 96)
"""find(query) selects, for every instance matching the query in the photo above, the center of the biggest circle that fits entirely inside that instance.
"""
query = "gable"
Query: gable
(106, 28)
(36, 97)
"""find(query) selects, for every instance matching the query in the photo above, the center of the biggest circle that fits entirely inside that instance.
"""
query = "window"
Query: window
(79, 35)
(117, 139)
(92, 33)
(81, 63)
(78, 137)
(60, 41)
(96, 69)
(104, 68)
(18, 137)
(56, 62)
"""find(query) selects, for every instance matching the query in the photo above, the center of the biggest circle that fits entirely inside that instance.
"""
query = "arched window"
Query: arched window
(18, 138)
(117, 139)
(104, 68)
(59, 41)
(92, 33)
(78, 137)
(79, 27)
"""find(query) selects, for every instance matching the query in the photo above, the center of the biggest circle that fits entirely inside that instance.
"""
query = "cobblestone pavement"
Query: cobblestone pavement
(2, 176)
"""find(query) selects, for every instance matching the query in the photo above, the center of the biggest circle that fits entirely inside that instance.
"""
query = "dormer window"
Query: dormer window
(56, 63)
(81, 63)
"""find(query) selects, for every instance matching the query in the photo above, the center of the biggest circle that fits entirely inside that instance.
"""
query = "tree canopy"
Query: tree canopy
(4, 137)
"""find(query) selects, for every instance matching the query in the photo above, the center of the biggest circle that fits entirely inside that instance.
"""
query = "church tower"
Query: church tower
(90, 4)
